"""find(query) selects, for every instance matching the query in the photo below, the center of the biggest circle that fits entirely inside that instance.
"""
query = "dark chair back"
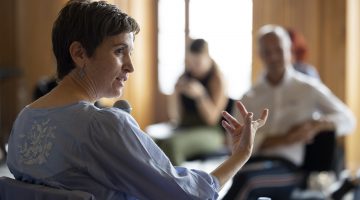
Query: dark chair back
(323, 154)
(320, 155)
(11, 189)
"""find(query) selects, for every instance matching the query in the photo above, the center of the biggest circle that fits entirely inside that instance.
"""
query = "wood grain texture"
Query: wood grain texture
(352, 80)
(7, 33)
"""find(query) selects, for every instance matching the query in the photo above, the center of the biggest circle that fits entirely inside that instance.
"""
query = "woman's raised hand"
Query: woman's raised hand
(242, 135)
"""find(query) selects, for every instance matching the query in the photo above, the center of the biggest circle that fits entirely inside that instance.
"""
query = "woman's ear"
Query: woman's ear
(77, 53)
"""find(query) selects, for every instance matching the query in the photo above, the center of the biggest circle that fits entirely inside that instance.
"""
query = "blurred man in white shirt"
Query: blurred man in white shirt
(300, 108)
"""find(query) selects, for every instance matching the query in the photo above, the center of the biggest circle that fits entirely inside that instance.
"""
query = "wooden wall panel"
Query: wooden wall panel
(122, 4)
(7, 32)
(9, 107)
(352, 80)
(142, 85)
(8, 92)
(34, 50)
(332, 37)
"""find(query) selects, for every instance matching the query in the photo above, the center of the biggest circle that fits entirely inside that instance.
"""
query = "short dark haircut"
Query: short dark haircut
(198, 46)
(88, 23)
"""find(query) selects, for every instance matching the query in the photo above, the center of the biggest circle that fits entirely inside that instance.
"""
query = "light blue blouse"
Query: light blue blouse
(100, 151)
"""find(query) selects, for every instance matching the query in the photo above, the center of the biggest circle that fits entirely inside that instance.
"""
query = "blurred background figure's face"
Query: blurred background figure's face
(272, 54)
(198, 64)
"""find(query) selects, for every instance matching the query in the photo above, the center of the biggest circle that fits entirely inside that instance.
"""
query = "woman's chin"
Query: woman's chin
(114, 93)
(119, 92)
(117, 95)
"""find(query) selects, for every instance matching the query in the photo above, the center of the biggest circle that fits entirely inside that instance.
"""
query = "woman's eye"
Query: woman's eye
(119, 51)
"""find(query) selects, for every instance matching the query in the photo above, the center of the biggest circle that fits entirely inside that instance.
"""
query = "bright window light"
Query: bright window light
(225, 24)
(171, 19)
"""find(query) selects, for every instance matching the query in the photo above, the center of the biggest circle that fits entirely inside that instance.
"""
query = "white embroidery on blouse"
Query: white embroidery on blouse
(37, 143)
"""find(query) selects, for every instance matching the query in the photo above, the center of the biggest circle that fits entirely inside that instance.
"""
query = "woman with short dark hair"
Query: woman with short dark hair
(62, 140)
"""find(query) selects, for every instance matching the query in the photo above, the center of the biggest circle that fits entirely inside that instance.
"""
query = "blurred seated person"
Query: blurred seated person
(299, 53)
(44, 86)
(195, 107)
(300, 108)
(62, 140)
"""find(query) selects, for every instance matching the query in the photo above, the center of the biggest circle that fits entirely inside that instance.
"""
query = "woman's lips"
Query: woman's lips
(121, 81)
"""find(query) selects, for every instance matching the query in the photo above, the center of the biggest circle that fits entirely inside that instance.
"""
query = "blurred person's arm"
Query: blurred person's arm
(210, 107)
(300, 133)
(174, 103)
(334, 113)
(174, 108)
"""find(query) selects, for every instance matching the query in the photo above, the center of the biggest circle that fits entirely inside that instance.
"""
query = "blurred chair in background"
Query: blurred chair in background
(11, 189)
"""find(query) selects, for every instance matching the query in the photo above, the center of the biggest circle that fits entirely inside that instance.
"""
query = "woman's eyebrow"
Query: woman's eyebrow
(121, 44)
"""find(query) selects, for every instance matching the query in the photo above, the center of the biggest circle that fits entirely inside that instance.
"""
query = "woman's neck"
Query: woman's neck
(79, 87)
(71, 89)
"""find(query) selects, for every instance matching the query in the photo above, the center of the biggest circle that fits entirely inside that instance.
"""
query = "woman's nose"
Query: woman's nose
(128, 66)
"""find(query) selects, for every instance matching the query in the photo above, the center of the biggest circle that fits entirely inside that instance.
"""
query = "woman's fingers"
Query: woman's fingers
(230, 119)
(264, 114)
(242, 109)
(261, 121)
(231, 124)
(247, 127)
(227, 127)
(249, 117)
(263, 118)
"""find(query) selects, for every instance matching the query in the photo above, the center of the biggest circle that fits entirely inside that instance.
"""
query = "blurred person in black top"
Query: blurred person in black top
(195, 106)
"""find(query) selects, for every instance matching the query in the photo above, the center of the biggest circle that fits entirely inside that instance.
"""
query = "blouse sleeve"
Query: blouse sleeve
(123, 158)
